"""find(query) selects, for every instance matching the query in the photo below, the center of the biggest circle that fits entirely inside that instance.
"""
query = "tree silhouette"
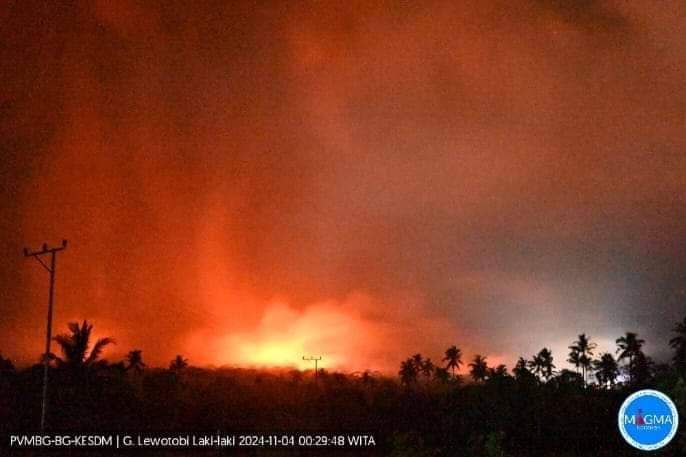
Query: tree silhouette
(426, 400)
(521, 370)
(536, 366)
(642, 369)
(134, 361)
(568, 378)
(6, 367)
(542, 364)
(75, 346)
(118, 368)
(629, 347)
(178, 363)
(606, 369)
(498, 372)
(441, 375)
(678, 343)
(581, 354)
(453, 357)
(574, 358)
(478, 368)
(408, 372)
(427, 367)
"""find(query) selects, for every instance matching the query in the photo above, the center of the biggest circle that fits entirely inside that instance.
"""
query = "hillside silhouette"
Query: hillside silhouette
(452, 407)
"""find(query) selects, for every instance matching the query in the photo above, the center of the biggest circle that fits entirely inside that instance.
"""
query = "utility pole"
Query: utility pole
(315, 359)
(46, 358)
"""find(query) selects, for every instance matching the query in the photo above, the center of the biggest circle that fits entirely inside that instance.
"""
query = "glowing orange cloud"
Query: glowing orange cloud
(284, 335)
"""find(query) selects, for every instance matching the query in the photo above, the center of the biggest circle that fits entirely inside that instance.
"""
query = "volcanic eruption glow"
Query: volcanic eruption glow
(247, 183)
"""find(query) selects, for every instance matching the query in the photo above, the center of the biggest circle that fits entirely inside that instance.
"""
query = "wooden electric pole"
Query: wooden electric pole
(46, 357)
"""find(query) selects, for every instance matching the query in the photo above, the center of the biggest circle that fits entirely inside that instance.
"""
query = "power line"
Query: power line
(46, 358)
(315, 359)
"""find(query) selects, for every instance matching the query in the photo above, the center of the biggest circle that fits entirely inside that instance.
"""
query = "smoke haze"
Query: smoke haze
(249, 183)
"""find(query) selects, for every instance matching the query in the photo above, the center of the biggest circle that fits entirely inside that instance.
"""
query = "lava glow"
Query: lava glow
(285, 335)
(272, 353)
(245, 183)
(242, 327)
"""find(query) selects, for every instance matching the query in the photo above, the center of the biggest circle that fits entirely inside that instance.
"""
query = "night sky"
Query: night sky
(250, 182)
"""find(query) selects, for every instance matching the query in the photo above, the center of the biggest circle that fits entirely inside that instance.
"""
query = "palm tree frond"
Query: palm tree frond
(97, 349)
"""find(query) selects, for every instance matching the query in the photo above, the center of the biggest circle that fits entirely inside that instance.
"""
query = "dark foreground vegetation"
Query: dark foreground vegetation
(431, 410)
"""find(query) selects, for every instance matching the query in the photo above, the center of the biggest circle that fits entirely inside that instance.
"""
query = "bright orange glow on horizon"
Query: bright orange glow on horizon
(244, 184)
(284, 335)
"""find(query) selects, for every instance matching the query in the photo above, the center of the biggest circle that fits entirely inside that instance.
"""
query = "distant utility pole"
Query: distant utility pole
(46, 358)
(315, 359)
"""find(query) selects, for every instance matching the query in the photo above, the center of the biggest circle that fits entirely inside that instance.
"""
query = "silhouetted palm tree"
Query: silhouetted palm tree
(582, 354)
(521, 370)
(178, 364)
(643, 369)
(427, 367)
(606, 369)
(134, 360)
(542, 364)
(75, 347)
(453, 357)
(535, 365)
(408, 372)
(628, 347)
(478, 368)
(498, 372)
(678, 343)
(574, 358)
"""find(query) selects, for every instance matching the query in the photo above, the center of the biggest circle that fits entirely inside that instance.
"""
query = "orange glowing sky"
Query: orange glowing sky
(249, 183)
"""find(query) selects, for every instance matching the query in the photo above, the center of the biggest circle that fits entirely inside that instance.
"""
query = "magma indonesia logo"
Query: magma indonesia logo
(648, 420)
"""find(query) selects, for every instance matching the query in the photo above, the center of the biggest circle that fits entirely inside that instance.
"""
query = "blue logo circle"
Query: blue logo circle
(648, 420)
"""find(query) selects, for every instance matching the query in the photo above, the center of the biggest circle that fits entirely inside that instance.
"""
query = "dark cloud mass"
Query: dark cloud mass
(246, 181)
